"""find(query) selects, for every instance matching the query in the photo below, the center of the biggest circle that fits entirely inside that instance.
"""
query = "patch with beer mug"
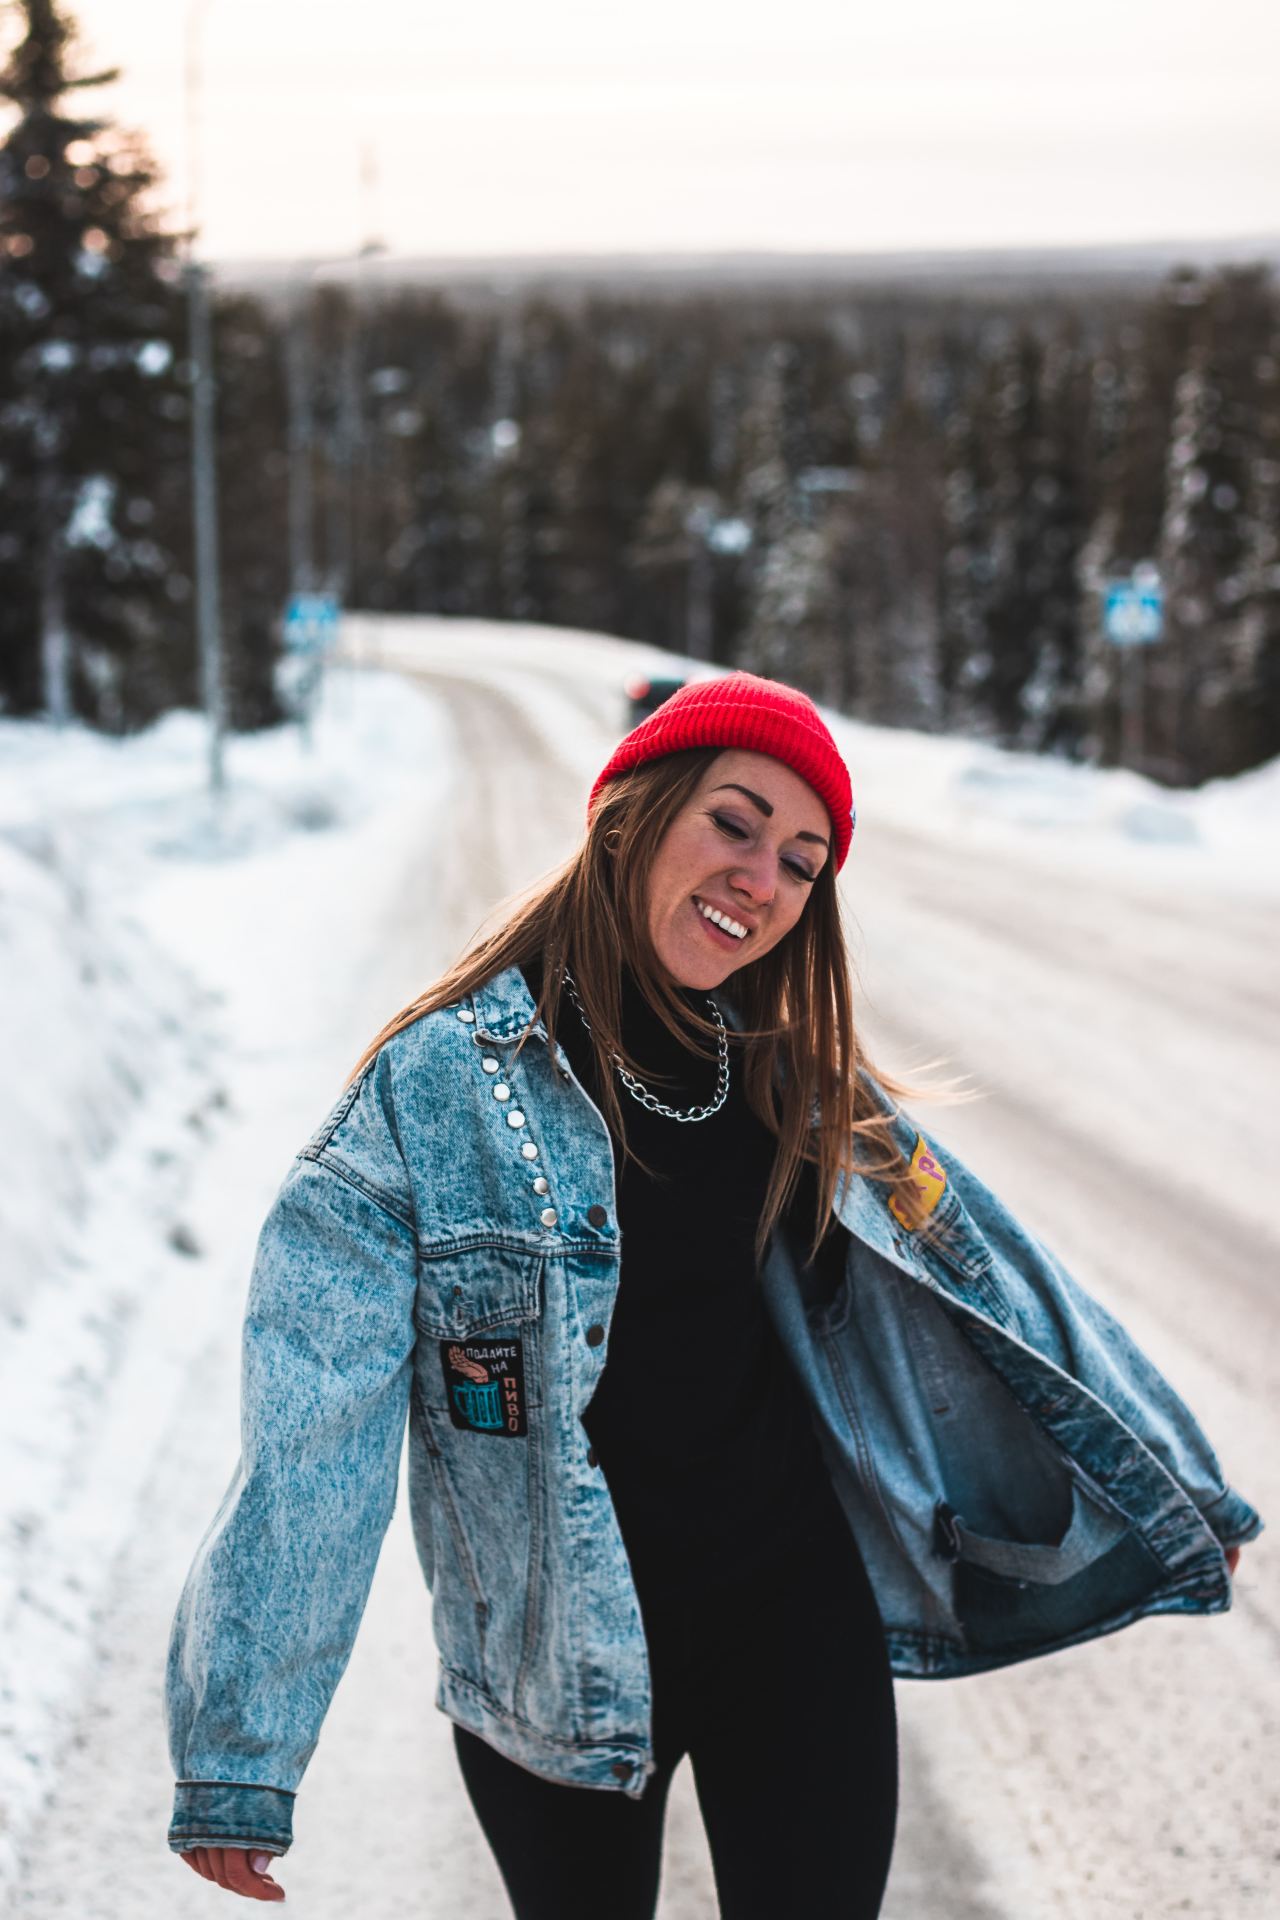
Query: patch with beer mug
(484, 1383)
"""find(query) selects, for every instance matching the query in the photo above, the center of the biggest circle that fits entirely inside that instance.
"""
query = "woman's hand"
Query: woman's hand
(1233, 1554)
(242, 1870)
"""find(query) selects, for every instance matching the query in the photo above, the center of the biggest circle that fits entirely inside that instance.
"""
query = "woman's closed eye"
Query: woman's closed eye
(733, 831)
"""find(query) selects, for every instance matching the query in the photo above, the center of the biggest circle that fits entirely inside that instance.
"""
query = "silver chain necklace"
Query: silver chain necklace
(638, 1090)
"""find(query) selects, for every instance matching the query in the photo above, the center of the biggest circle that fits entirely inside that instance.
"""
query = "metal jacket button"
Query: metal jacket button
(465, 1014)
(515, 1118)
(489, 1064)
(529, 1150)
(597, 1215)
(501, 1092)
(548, 1216)
(541, 1184)
(595, 1334)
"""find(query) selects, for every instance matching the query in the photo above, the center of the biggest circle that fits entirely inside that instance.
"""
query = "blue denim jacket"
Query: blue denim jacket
(1019, 1477)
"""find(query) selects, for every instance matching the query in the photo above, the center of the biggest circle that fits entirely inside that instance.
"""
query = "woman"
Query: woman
(854, 1420)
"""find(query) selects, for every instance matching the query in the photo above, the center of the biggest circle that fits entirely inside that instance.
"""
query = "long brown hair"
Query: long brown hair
(801, 1047)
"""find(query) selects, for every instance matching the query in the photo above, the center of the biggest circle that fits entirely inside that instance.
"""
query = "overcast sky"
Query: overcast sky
(546, 125)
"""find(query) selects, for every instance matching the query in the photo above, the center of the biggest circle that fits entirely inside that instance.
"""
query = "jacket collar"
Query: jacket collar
(504, 1006)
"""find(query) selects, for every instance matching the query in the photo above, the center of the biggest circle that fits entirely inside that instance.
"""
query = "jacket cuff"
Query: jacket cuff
(1233, 1520)
(230, 1813)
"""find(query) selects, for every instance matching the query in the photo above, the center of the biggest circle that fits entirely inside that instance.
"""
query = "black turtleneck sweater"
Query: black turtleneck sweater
(699, 1422)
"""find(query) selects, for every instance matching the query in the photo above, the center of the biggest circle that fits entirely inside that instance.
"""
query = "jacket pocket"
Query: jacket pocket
(1089, 1532)
(1007, 1592)
(476, 1290)
(950, 1249)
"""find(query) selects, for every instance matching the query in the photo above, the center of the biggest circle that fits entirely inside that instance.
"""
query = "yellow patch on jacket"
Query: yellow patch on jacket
(928, 1180)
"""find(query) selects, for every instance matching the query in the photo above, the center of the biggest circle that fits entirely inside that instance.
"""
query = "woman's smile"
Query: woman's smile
(724, 934)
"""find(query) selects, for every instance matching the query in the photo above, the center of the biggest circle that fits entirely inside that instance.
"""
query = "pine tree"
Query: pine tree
(1205, 556)
(253, 505)
(93, 442)
(1259, 737)
(895, 559)
(968, 528)
(767, 501)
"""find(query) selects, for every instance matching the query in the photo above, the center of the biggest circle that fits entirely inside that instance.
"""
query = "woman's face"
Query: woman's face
(748, 844)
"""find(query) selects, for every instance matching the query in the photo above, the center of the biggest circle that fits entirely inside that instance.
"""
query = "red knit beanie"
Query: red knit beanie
(762, 716)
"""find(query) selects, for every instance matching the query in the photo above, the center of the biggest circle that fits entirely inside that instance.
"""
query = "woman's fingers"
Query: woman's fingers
(242, 1879)
(232, 1869)
(216, 1857)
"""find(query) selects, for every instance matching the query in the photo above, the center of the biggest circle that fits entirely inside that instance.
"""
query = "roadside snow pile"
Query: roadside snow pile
(91, 1012)
(1090, 817)
(173, 968)
(1242, 815)
(99, 1005)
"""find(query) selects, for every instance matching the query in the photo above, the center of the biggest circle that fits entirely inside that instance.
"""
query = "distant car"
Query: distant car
(646, 695)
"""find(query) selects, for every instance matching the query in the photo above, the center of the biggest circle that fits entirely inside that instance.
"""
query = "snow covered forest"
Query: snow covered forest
(907, 504)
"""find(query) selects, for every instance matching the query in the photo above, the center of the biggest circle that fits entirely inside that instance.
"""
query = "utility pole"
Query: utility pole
(344, 433)
(356, 434)
(204, 486)
(298, 357)
(699, 614)
(370, 180)
(55, 633)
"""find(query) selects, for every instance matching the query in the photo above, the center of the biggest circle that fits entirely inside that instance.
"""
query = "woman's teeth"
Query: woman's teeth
(722, 920)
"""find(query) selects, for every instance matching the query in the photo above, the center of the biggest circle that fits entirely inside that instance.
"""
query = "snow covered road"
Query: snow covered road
(1121, 1012)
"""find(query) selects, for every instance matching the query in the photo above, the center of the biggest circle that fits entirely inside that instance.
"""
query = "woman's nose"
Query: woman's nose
(756, 879)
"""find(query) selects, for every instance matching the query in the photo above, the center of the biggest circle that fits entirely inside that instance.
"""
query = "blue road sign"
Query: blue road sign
(311, 622)
(1132, 613)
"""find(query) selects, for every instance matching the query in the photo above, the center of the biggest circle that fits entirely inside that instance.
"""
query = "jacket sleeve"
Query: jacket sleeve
(1060, 1319)
(269, 1612)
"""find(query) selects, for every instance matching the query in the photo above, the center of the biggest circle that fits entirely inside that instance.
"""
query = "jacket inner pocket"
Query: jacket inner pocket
(1090, 1531)
(1008, 1593)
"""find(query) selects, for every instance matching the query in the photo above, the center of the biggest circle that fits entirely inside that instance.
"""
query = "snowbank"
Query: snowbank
(150, 939)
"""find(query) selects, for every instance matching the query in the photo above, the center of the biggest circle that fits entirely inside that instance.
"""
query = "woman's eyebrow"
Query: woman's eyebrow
(766, 808)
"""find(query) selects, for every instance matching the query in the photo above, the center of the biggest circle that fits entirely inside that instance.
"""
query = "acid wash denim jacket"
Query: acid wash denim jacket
(443, 1252)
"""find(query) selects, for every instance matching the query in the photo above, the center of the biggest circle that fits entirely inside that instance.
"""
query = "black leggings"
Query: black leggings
(781, 1695)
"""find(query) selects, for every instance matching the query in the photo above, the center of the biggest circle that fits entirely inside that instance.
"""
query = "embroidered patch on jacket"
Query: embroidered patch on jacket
(928, 1179)
(484, 1380)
